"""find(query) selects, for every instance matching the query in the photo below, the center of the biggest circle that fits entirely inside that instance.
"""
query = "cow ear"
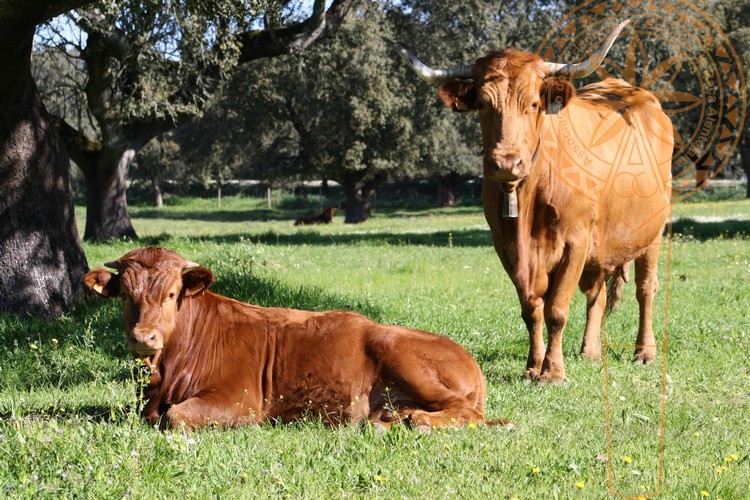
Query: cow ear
(555, 94)
(459, 95)
(103, 283)
(196, 281)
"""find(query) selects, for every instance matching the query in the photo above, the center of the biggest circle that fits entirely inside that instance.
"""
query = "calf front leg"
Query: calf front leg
(200, 412)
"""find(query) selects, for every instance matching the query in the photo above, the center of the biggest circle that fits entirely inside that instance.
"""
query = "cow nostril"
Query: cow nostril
(510, 161)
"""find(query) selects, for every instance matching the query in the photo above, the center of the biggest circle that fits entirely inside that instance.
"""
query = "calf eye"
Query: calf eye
(171, 295)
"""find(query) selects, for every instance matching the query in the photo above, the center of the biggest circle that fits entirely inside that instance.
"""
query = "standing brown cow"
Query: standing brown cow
(215, 360)
(572, 198)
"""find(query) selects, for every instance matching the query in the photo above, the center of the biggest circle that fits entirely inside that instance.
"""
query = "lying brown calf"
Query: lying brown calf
(215, 360)
(325, 218)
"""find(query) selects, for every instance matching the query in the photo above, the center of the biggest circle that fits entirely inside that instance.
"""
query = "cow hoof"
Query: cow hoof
(552, 378)
(644, 357)
(424, 429)
(531, 374)
(592, 355)
(380, 427)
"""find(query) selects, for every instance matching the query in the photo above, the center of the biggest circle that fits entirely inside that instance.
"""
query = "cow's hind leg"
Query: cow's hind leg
(647, 283)
(460, 415)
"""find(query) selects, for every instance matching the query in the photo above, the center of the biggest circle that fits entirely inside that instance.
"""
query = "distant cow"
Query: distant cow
(571, 198)
(325, 218)
(218, 361)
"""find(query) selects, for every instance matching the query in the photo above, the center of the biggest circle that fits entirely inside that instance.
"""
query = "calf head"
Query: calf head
(152, 283)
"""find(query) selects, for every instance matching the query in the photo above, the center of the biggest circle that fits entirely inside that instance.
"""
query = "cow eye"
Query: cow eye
(171, 296)
(534, 108)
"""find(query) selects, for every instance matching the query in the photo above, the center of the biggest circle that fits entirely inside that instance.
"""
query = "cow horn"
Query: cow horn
(428, 74)
(588, 66)
(111, 265)
(191, 265)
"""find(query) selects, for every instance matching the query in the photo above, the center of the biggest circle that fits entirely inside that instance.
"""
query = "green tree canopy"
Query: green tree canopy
(152, 65)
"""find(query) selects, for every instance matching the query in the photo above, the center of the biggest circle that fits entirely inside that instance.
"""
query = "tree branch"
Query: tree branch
(82, 150)
(297, 37)
(34, 12)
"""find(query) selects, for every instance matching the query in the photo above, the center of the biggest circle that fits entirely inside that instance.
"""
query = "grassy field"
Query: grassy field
(69, 424)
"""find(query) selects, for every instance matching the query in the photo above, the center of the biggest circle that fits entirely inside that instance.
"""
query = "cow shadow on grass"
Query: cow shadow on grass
(48, 368)
(252, 215)
(706, 230)
(459, 238)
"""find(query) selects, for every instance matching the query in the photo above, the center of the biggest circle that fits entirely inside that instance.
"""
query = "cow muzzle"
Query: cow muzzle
(145, 342)
(505, 168)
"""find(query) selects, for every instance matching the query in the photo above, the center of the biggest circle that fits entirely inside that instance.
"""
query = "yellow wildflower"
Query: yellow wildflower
(536, 470)
(734, 457)
(704, 493)
(627, 459)
(580, 484)
(381, 478)
(472, 425)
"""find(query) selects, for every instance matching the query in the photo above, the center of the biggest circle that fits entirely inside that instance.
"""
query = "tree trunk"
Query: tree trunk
(447, 184)
(359, 194)
(42, 262)
(446, 196)
(107, 214)
(158, 198)
(745, 159)
(358, 204)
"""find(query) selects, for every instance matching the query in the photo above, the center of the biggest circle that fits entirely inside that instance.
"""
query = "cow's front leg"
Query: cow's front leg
(564, 284)
(647, 282)
(533, 316)
(204, 411)
(596, 303)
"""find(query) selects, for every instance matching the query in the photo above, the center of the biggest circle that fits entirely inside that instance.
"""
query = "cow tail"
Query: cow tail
(615, 285)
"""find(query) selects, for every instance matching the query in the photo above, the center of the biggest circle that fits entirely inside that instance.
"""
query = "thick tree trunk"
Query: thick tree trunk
(107, 214)
(358, 204)
(41, 258)
(359, 195)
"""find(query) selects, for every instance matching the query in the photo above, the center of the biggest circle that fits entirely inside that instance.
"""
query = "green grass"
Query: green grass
(70, 428)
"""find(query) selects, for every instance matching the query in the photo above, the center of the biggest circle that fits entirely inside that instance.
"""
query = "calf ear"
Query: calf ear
(196, 281)
(103, 283)
(555, 94)
(459, 95)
